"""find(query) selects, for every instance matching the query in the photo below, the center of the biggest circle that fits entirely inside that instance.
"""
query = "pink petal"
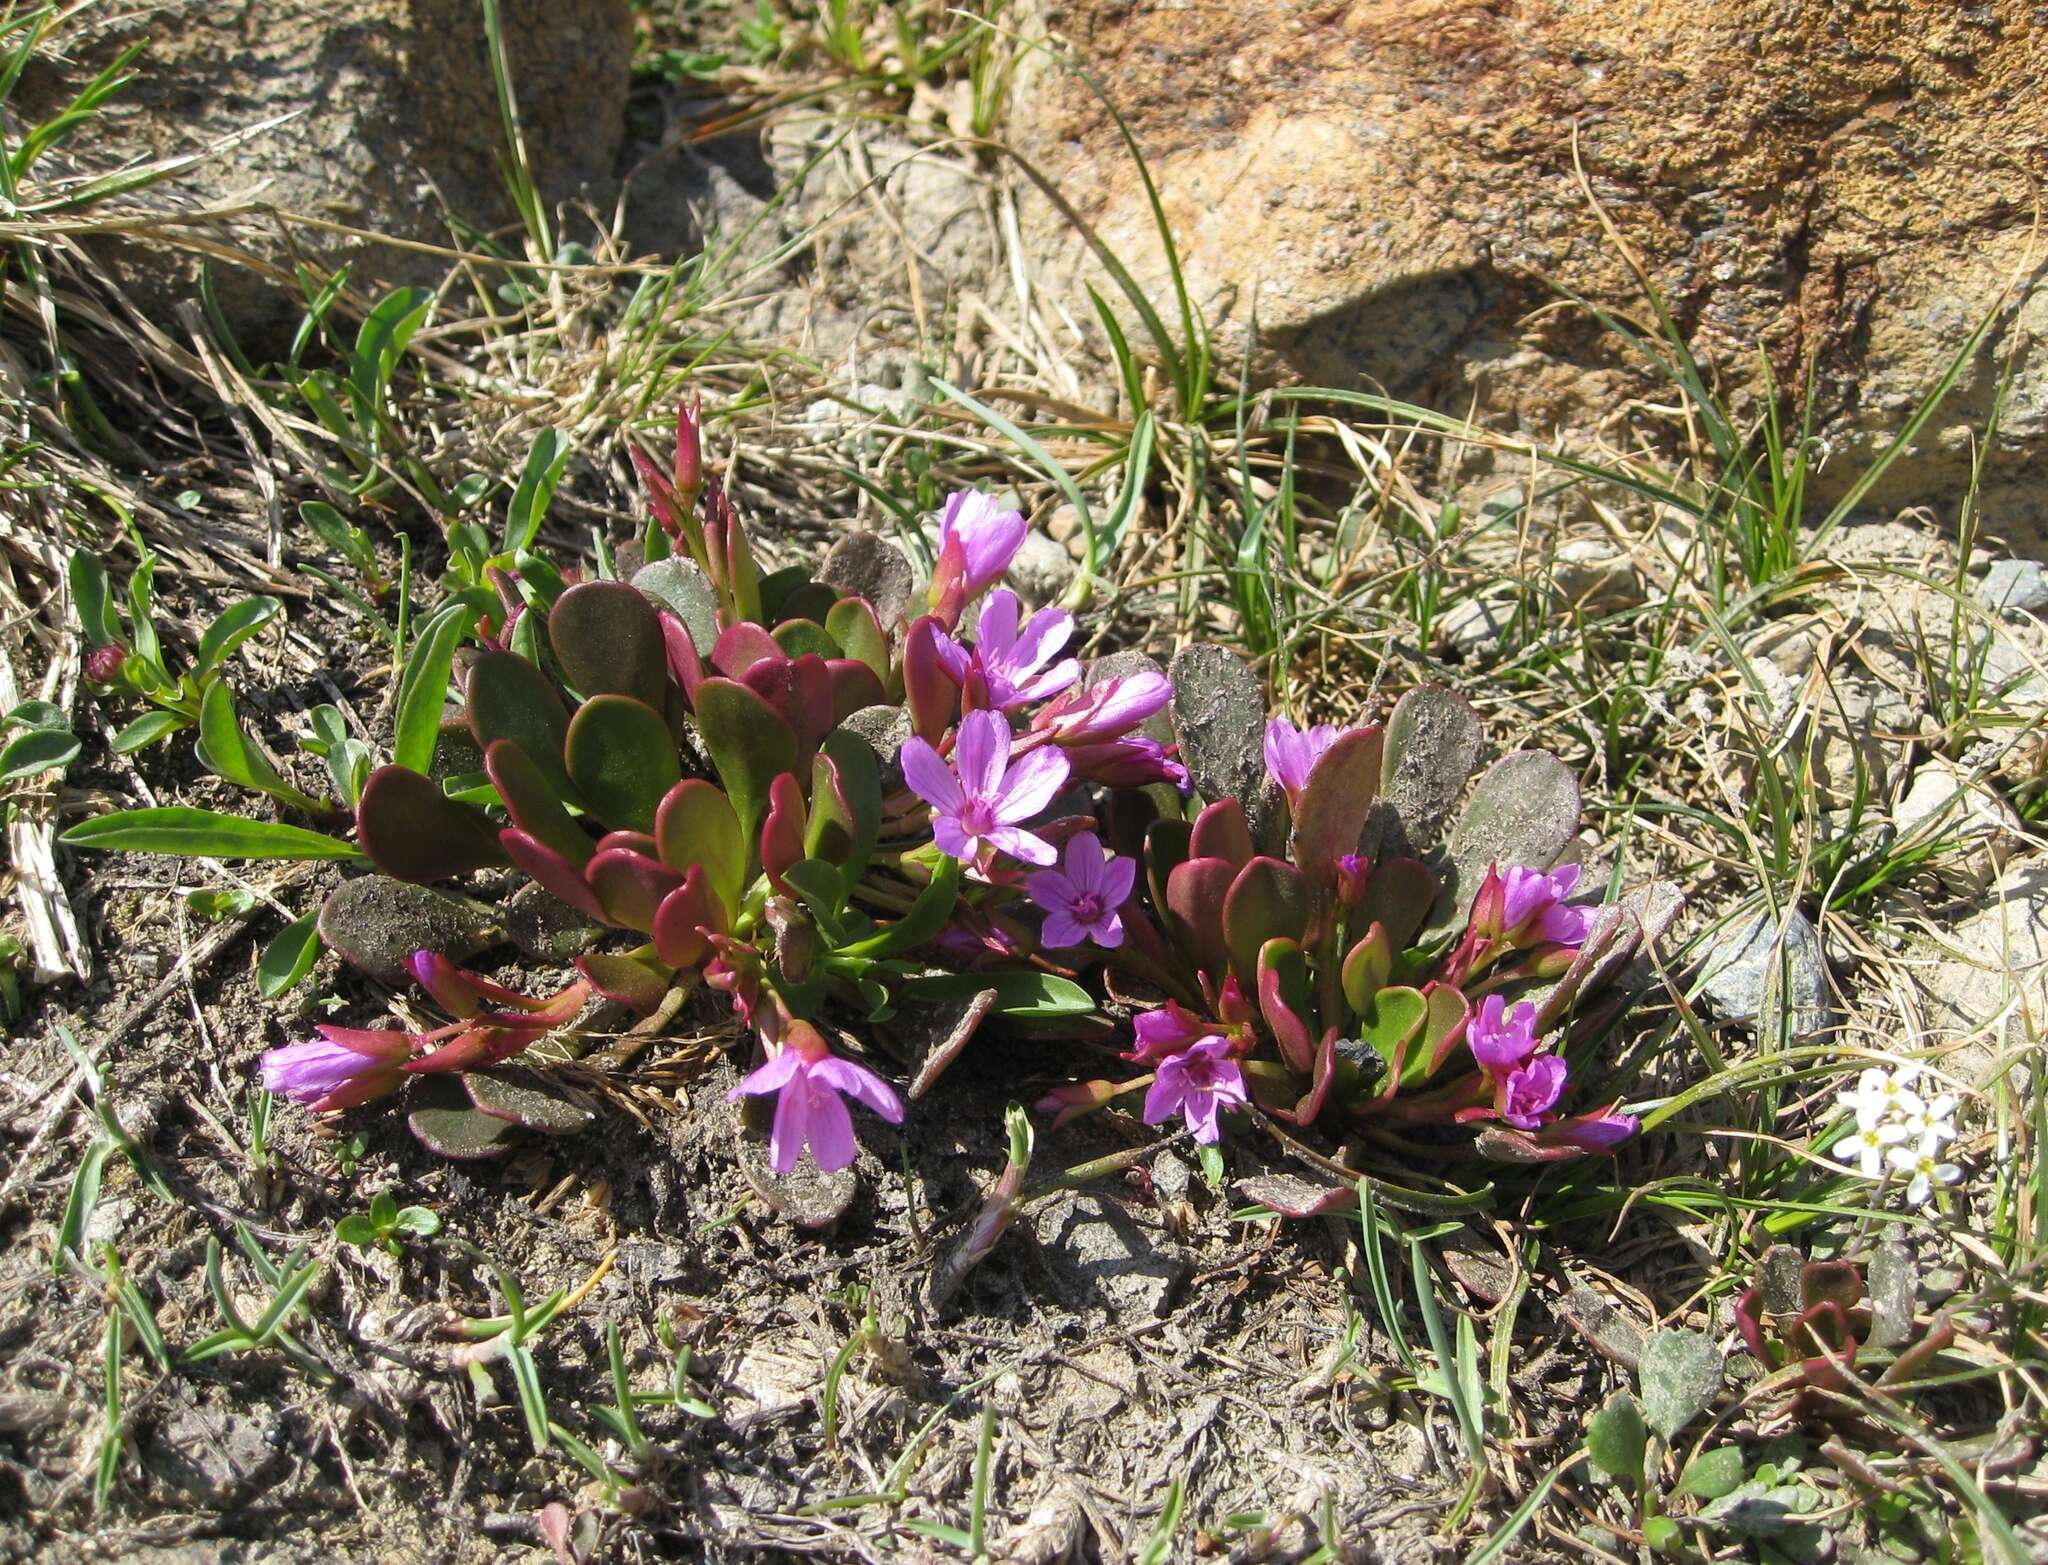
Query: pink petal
(1108, 931)
(930, 778)
(1084, 860)
(1163, 1099)
(792, 1122)
(831, 1131)
(1119, 875)
(981, 752)
(861, 1084)
(1020, 845)
(1051, 890)
(1061, 929)
(953, 840)
(1030, 785)
(1050, 683)
(998, 626)
(772, 1076)
(1044, 636)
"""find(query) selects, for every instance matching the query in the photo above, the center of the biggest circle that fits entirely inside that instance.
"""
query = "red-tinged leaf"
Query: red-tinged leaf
(508, 698)
(1322, 1072)
(801, 690)
(1391, 1023)
(829, 834)
(928, 691)
(1194, 911)
(630, 886)
(415, 832)
(1331, 813)
(859, 632)
(748, 742)
(554, 873)
(607, 637)
(1367, 966)
(1291, 1196)
(741, 646)
(1444, 1028)
(1398, 895)
(1916, 1360)
(1837, 1282)
(533, 803)
(630, 842)
(1749, 1320)
(854, 686)
(623, 759)
(1267, 901)
(1504, 1144)
(1222, 833)
(522, 1100)
(1288, 1003)
(696, 825)
(798, 637)
(635, 980)
(782, 833)
(686, 919)
(684, 665)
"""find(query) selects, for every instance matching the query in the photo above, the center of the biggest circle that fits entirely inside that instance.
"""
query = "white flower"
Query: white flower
(1881, 1095)
(1864, 1150)
(1932, 1127)
(1925, 1172)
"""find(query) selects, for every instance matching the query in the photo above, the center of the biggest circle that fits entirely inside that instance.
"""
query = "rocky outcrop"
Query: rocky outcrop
(391, 126)
(1390, 188)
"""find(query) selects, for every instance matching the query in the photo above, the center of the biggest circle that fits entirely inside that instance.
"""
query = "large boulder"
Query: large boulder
(1391, 185)
(391, 128)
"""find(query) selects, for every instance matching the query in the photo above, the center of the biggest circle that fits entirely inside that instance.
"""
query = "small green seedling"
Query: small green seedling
(289, 1285)
(45, 743)
(386, 1225)
(128, 658)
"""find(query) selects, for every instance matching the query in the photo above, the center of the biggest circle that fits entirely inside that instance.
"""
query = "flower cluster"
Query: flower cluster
(834, 811)
(1900, 1133)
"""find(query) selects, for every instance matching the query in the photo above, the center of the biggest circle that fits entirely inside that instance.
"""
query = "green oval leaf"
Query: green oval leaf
(226, 750)
(39, 750)
(423, 689)
(1037, 996)
(90, 597)
(183, 832)
(146, 730)
(622, 759)
(235, 625)
(289, 957)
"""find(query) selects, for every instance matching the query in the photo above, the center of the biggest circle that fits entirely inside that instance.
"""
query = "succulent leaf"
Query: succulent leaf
(1367, 967)
(748, 742)
(1268, 900)
(637, 980)
(533, 802)
(622, 758)
(1330, 817)
(1194, 909)
(1287, 1001)
(800, 637)
(696, 825)
(521, 1101)
(855, 688)
(801, 690)
(552, 871)
(783, 831)
(676, 584)
(1221, 832)
(684, 919)
(414, 831)
(607, 638)
(376, 923)
(1524, 811)
(1219, 719)
(1432, 742)
(1399, 895)
(630, 886)
(853, 624)
(508, 698)
(461, 1131)
(740, 647)
(1391, 1023)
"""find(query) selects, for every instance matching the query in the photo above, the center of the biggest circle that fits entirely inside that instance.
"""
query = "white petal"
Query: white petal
(1919, 1190)
(1947, 1173)
(1904, 1159)
(1891, 1133)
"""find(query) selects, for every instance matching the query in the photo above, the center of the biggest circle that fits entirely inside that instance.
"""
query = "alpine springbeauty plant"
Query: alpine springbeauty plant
(836, 807)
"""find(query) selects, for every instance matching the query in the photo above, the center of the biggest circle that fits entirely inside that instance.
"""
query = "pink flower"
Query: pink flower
(1005, 670)
(1292, 753)
(1501, 1040)
(981, 807)
(1105, 711)
(1354, 873)
(1531, 1092)
(1532, 910)
(1129, 762)
(1592, 1132)
(344, 1066)
(810, 1108)
(1199, 1082)
(1081, 898)
(1167, 1030)
(977, 542)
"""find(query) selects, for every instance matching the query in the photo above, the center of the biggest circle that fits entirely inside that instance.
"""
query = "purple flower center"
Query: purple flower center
(1087, 908)
(978, 818)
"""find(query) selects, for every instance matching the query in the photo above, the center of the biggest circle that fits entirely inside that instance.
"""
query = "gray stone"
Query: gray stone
(887, 730)
(867, 565)
(1104, 1257)
(379, 115)
(1985, 972)
(1042, 570)
(214, 1459)
(1473, 628)
(2014, 587)
(1943, 804)
(1750, 967)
